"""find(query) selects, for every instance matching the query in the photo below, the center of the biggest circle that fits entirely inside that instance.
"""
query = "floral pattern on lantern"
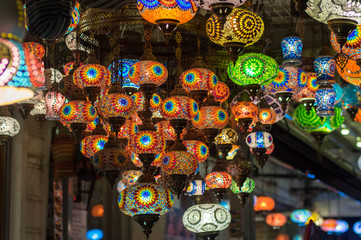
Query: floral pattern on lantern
(111, 159)
(179, 107)
(292, 49)
(325, 101)
(92, 144)
(145, 198)
(54, 101)
(148, 72)
(91, 75)
(325, 67)
(75, 18)
(78, 112)
(289, 79)
(276, 220)
(218, 180)
(264, 203)
(139, 100)
(267, 116)
(300, 216)
(242, 26)
(198, 79)
(221, 92)
(117, 105)
(35, 48)
(308, 92)
(146, 142)
(252, 68)
(130, 177)
(227, 136)
(198, 149)
(172, 10)
(352, 46)
(179, 162)
(212, 117)
(259, 139)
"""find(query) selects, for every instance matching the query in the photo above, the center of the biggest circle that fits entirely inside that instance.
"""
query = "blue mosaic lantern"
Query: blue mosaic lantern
(325, 100)
(325, 67)
(300, 216)
(292, 49)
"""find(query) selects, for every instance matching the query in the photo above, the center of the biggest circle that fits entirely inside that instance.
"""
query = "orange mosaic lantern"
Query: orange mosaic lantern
(98, 210)
(329, 225)
(264, 203)
(276, 220)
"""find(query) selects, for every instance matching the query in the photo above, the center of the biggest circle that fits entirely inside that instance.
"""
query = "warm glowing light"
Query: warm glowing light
(264, 203)
(98, 210)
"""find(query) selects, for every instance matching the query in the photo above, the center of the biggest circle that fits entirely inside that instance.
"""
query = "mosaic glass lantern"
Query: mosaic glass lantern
(167, 15)
(264, 203)
(221, 92)
(15, 79)
(352, 46)
(325, 100)
(243, 110)
(300, 216)
(242, 28)
(9, 126)
(308, 94)
(148, 72)
(130, 177)
(226, 136)
(145, 202)
(123, 67)
(211, 117)
(92, 144)
(179, 107)
(290, 80)
(325, 67)
(139, 100)
(292, 49)
(146, 142)
(259, 139)
(54, 101)
(276, 220)
(247, 187)
(266, 115)
(218, 180)
(35, 48)
(179, 162)
(196, 187)
(166, 130)
(39, 110)
(92, 78)
(75, 18)
(350, 96)
(206, 219)
(198, 149)
(252, 69)
(329, 225)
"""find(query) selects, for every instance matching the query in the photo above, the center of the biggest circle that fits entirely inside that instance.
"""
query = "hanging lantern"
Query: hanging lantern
(197, 186)
(264, 203)
(325, 100)
(243, 193)
(130, 177)
(221, 92)
(35, 48)
(244, 110)
(148, 72)
(341, 227)
(97, 211)
(75, 18)
(15, 79)
(198, 149)
(292, 49)
(242, 28)
(325, 67)
(145, 201)
(155, 101)
(352, 45)
(206, 219)
(226, 136)
(218, 181)
(167, 15)
(308, 94)
(39, 111)
(329, 225)
(253, 70)
(259, 140)
(95, 234)
(276, 220)
(198, 82)
(121, 69)
(146, 142)
(9, 126)
(54, 101)
(267, 116)
(350, 99)
(300, 216)
(90, 145)
(92, 77)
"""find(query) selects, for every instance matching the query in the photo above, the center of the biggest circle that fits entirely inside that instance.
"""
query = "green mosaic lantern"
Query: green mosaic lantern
(243, 192)
(253, 69)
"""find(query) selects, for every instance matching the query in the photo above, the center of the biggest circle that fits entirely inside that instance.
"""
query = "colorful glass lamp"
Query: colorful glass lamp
(54, 101)
(292, 49)
(243, 193)
(300, 216)
(264, 204)
(121, 69)
(9, 126)
(276, 220)
(242, 28)
(325, 100)
(221, 92)
(308, 94)
(167, 15)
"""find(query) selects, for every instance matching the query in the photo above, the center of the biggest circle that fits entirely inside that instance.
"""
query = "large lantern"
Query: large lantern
(292, 49)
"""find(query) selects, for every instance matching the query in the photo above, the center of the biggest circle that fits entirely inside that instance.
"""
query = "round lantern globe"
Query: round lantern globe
(227, 136)
(352, 46)
(221, 92)
(179, 162)
(157, 11)
(342, 226)
(357, 227)
(292, 49)
(325, 101)
(78, 112)
(325, 67)
(111, 159)
(139, 100)
(145, 142)
(206, 217)
(92, 144)
(130, 177)
(198, 149)
(289, 79)
(300, 216)
(248, 186)
(198, 79)
(95, 234)
(117, 105)
(264, 203)
(259, 139)
(276, 220)
(91, 75)
(148, 72)
(218, 180)
(179, 107)
(308, 92)
(211, 117)
(242, 26)
(145, 198)
(267, 116)
(252, 68)
(9, 126)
